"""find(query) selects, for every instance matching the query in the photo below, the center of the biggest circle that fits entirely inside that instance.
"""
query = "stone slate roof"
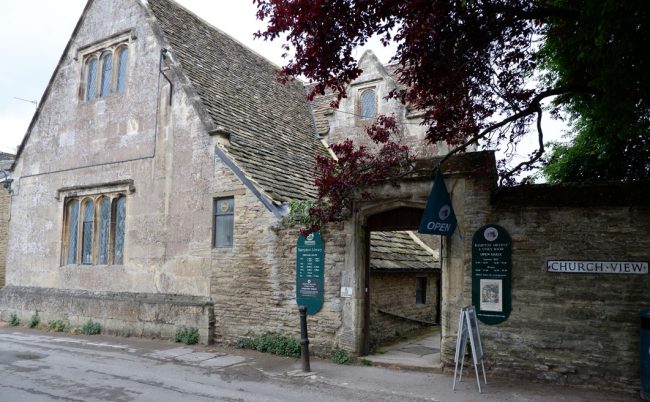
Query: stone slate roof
(397, 251)
(321, 109)
(272, 135)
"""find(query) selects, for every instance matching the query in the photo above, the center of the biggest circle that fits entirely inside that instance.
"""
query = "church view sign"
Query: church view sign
(597, 267)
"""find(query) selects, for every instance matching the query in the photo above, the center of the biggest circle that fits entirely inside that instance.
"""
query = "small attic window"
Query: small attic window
(105, 66)
(368, 104)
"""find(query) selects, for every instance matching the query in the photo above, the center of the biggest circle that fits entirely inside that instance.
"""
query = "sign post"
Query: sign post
(310, 272)
(492, 274)
(468, 329)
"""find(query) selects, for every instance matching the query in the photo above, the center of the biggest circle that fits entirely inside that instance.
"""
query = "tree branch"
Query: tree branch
(533, 107)
(535, 157)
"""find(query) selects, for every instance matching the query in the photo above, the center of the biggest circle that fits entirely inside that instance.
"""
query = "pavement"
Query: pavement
(420, 352)
(42, 366)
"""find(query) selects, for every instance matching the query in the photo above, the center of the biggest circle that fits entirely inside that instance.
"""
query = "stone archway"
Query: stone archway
(470, 180)
(403, 218)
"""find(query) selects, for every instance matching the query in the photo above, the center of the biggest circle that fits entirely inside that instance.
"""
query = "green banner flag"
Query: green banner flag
(439, 217)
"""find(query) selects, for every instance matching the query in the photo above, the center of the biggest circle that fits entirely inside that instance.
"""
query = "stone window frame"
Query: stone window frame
(215, 216)
(421, 285)
(359, 103)
(82, 195)
(114, 46)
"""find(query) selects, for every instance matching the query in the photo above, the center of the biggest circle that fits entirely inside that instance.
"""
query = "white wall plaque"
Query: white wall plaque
(346, 291)
(598, 267)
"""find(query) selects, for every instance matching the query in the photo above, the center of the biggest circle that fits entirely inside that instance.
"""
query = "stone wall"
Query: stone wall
(5, 200)
(394, 293)
(254, 284)
(125, 314)
(572, 328)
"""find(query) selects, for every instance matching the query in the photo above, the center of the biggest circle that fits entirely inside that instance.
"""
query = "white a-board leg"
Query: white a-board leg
(484, 376)
(458, 347)
(478, 382)
(462, 360)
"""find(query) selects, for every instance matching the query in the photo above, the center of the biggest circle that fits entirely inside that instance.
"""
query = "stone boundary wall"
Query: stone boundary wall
(572, 328)
(133, 314)
(5, 200)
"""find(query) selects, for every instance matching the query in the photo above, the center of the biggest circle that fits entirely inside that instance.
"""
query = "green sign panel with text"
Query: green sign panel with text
(492, 274)
(310, 262)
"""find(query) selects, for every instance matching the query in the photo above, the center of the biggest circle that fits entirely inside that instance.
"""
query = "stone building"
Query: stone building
(176, 154)
(6, 160)
(176, 150)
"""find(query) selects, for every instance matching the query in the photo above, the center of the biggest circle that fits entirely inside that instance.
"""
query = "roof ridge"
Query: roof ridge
(220, 31)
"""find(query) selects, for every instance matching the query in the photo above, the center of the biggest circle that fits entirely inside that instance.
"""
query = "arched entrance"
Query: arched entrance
(407, 290)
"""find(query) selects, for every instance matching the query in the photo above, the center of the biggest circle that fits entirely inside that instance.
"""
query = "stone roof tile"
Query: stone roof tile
(398, 251)
(272, 136)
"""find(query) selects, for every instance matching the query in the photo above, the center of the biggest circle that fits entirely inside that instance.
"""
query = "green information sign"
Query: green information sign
(492, 274)
(310, 261)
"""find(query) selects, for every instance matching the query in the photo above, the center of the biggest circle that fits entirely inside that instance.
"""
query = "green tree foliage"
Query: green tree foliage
(604, 50)
(469, 64)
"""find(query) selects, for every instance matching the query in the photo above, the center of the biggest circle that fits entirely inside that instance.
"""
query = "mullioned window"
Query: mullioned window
(94, 230)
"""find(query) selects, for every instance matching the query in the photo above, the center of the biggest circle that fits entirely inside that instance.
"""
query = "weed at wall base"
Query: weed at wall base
(273, 343)
(91, 328)
(187, 335)
(13, 320)
(34, 321)
(340, 356)
(58, 325)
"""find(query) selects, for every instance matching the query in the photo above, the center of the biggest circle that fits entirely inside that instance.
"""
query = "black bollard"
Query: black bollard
(304, 339)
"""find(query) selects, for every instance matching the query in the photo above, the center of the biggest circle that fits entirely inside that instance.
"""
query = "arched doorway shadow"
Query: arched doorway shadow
(395, 221)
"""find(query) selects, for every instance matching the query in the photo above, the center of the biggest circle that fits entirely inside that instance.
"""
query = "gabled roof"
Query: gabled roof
(272, 134)
(321, 103)
(399, 252)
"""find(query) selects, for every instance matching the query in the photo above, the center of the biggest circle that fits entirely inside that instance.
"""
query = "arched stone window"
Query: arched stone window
(107, 73)
(72, 230)
(120, 218)
(122, 59)
(91, 78)
(103, 230)
(87, 232)
(97, 223)
(368, 104)
(105, 69)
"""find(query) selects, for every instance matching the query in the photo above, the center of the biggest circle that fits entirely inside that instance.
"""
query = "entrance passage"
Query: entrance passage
(403, 289)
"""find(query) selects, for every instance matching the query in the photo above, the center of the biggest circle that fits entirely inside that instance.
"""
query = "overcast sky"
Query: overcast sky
(33, 34)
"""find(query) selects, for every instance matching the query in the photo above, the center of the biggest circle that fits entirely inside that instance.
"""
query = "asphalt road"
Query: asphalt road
(40, 366)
